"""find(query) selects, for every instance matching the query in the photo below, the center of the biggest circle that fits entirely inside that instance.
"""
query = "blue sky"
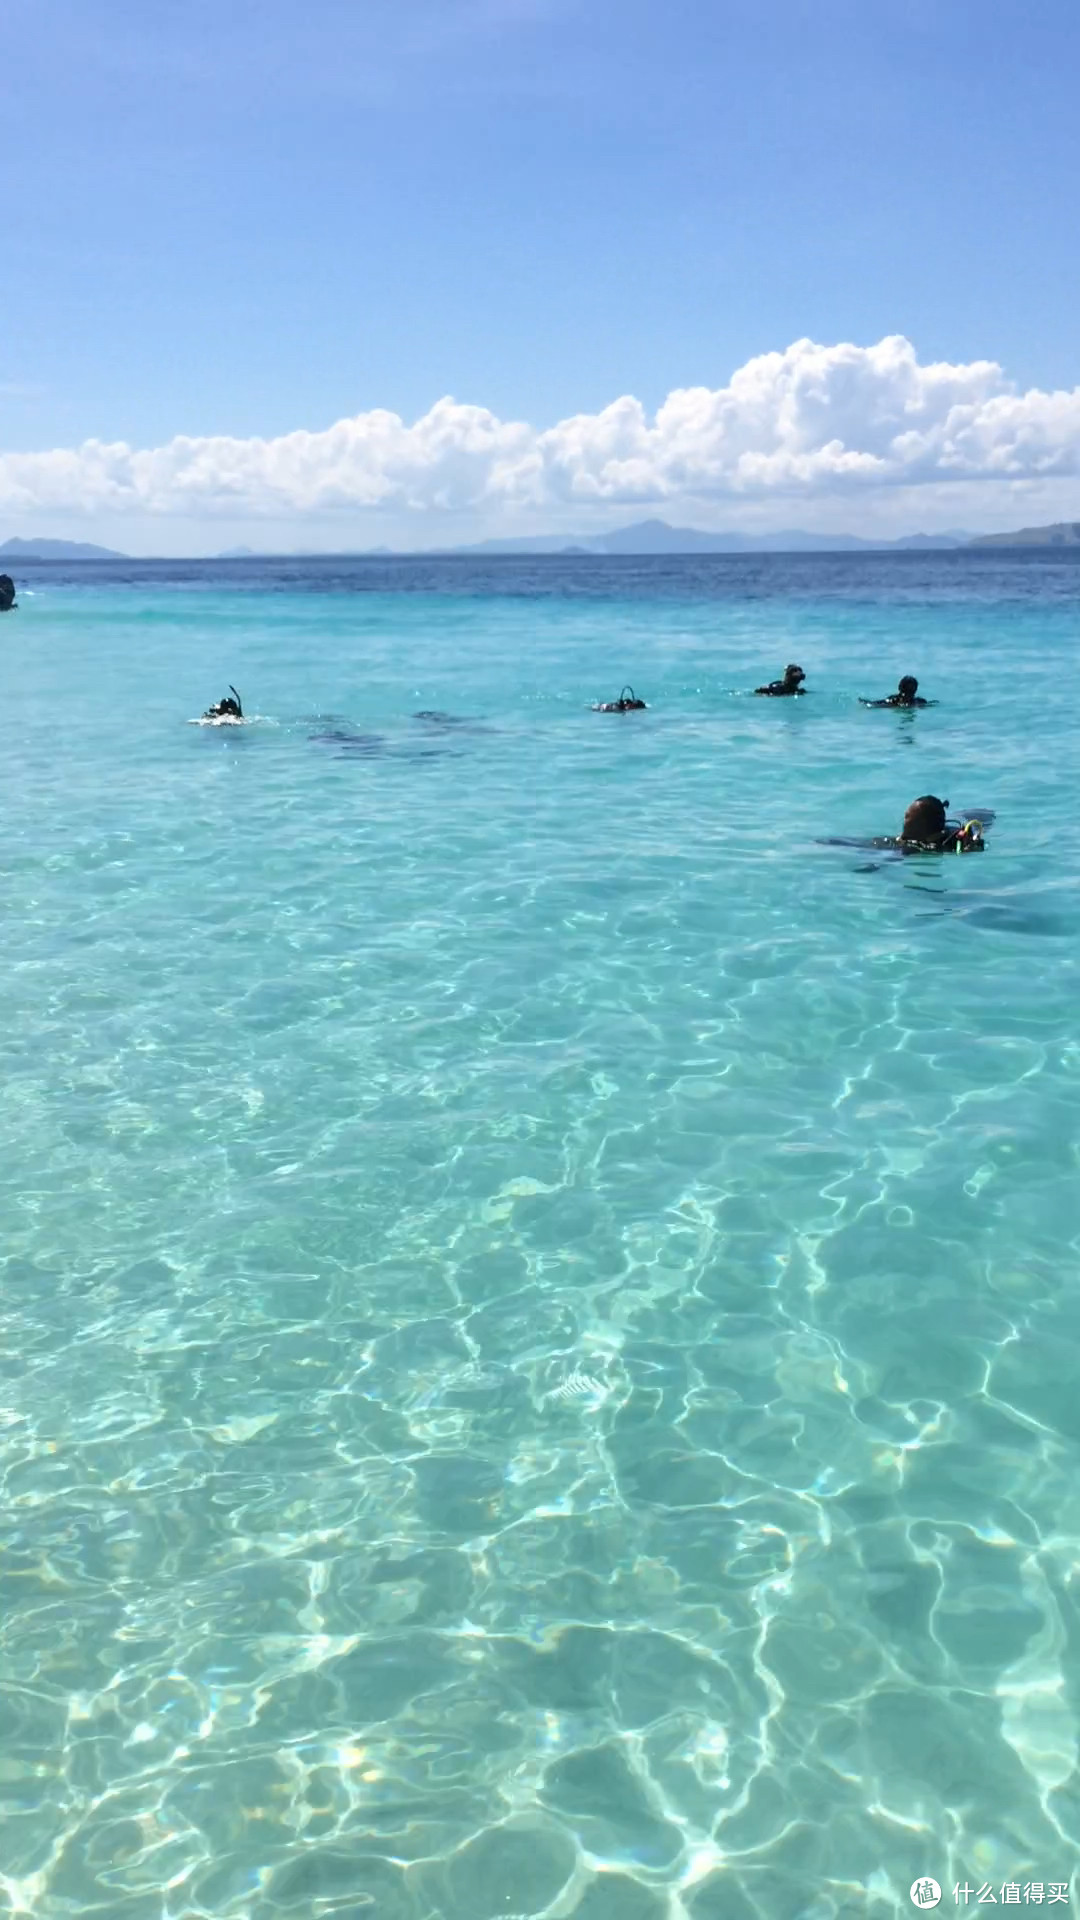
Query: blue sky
(243, 220)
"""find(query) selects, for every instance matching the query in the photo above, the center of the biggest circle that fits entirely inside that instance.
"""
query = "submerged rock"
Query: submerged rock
(432, 717)
(345, 740)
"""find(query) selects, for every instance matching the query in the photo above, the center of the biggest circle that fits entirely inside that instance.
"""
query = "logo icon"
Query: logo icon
(925, 1893)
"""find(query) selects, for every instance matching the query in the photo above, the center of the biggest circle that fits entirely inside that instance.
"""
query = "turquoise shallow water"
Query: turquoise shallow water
(539, 1313)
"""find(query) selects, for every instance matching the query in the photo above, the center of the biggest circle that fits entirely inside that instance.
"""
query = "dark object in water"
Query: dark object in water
(228, 709)
(907, 695)
(445, 722)
(927, 829)
(627, 702)
(8, 602)
(792, 683)
(364, 745)
(1009, 917)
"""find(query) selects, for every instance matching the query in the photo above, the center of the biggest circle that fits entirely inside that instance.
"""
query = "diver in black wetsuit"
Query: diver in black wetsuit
(8, 602)
(790, 684)
(627, 702)
(927, 829)
(907, 695)
(227, 709)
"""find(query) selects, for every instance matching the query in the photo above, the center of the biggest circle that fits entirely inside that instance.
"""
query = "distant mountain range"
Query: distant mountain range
(57, 550)
(656, 536)
(1064, 533)
(643, 537)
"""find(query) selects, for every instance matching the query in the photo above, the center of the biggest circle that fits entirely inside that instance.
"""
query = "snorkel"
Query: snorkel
(969, 837)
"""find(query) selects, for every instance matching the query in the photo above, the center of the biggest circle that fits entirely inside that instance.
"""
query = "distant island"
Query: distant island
(1064, 533)
(642, 537)
(57, 550)
(657, 536)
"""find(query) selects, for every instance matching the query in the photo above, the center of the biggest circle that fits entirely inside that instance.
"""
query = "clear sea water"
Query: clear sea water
(539, 1312)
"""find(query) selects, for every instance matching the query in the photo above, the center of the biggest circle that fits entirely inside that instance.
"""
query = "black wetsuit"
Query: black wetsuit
(945, 843)
(891, 843)
(948, 842)
(898, 700)
(779, 689)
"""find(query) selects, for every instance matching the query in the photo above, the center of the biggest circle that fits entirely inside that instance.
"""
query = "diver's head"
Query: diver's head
(909, 686)
(925, 819)
(793, 676)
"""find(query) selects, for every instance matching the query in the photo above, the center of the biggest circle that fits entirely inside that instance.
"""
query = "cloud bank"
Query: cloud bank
(811, 422)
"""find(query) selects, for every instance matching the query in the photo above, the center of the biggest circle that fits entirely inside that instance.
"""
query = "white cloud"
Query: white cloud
(812, 423)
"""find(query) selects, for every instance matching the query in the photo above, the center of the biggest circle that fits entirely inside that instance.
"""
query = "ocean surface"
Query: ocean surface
(539, 1304)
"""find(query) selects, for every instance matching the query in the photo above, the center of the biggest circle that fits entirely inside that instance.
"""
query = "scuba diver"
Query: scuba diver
(790, 684)
(627, 702)
(927, 829)
(8, 602)
(907, 695)
(227, 709)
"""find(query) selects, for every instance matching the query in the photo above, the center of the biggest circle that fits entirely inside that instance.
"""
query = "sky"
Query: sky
(414, 272)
